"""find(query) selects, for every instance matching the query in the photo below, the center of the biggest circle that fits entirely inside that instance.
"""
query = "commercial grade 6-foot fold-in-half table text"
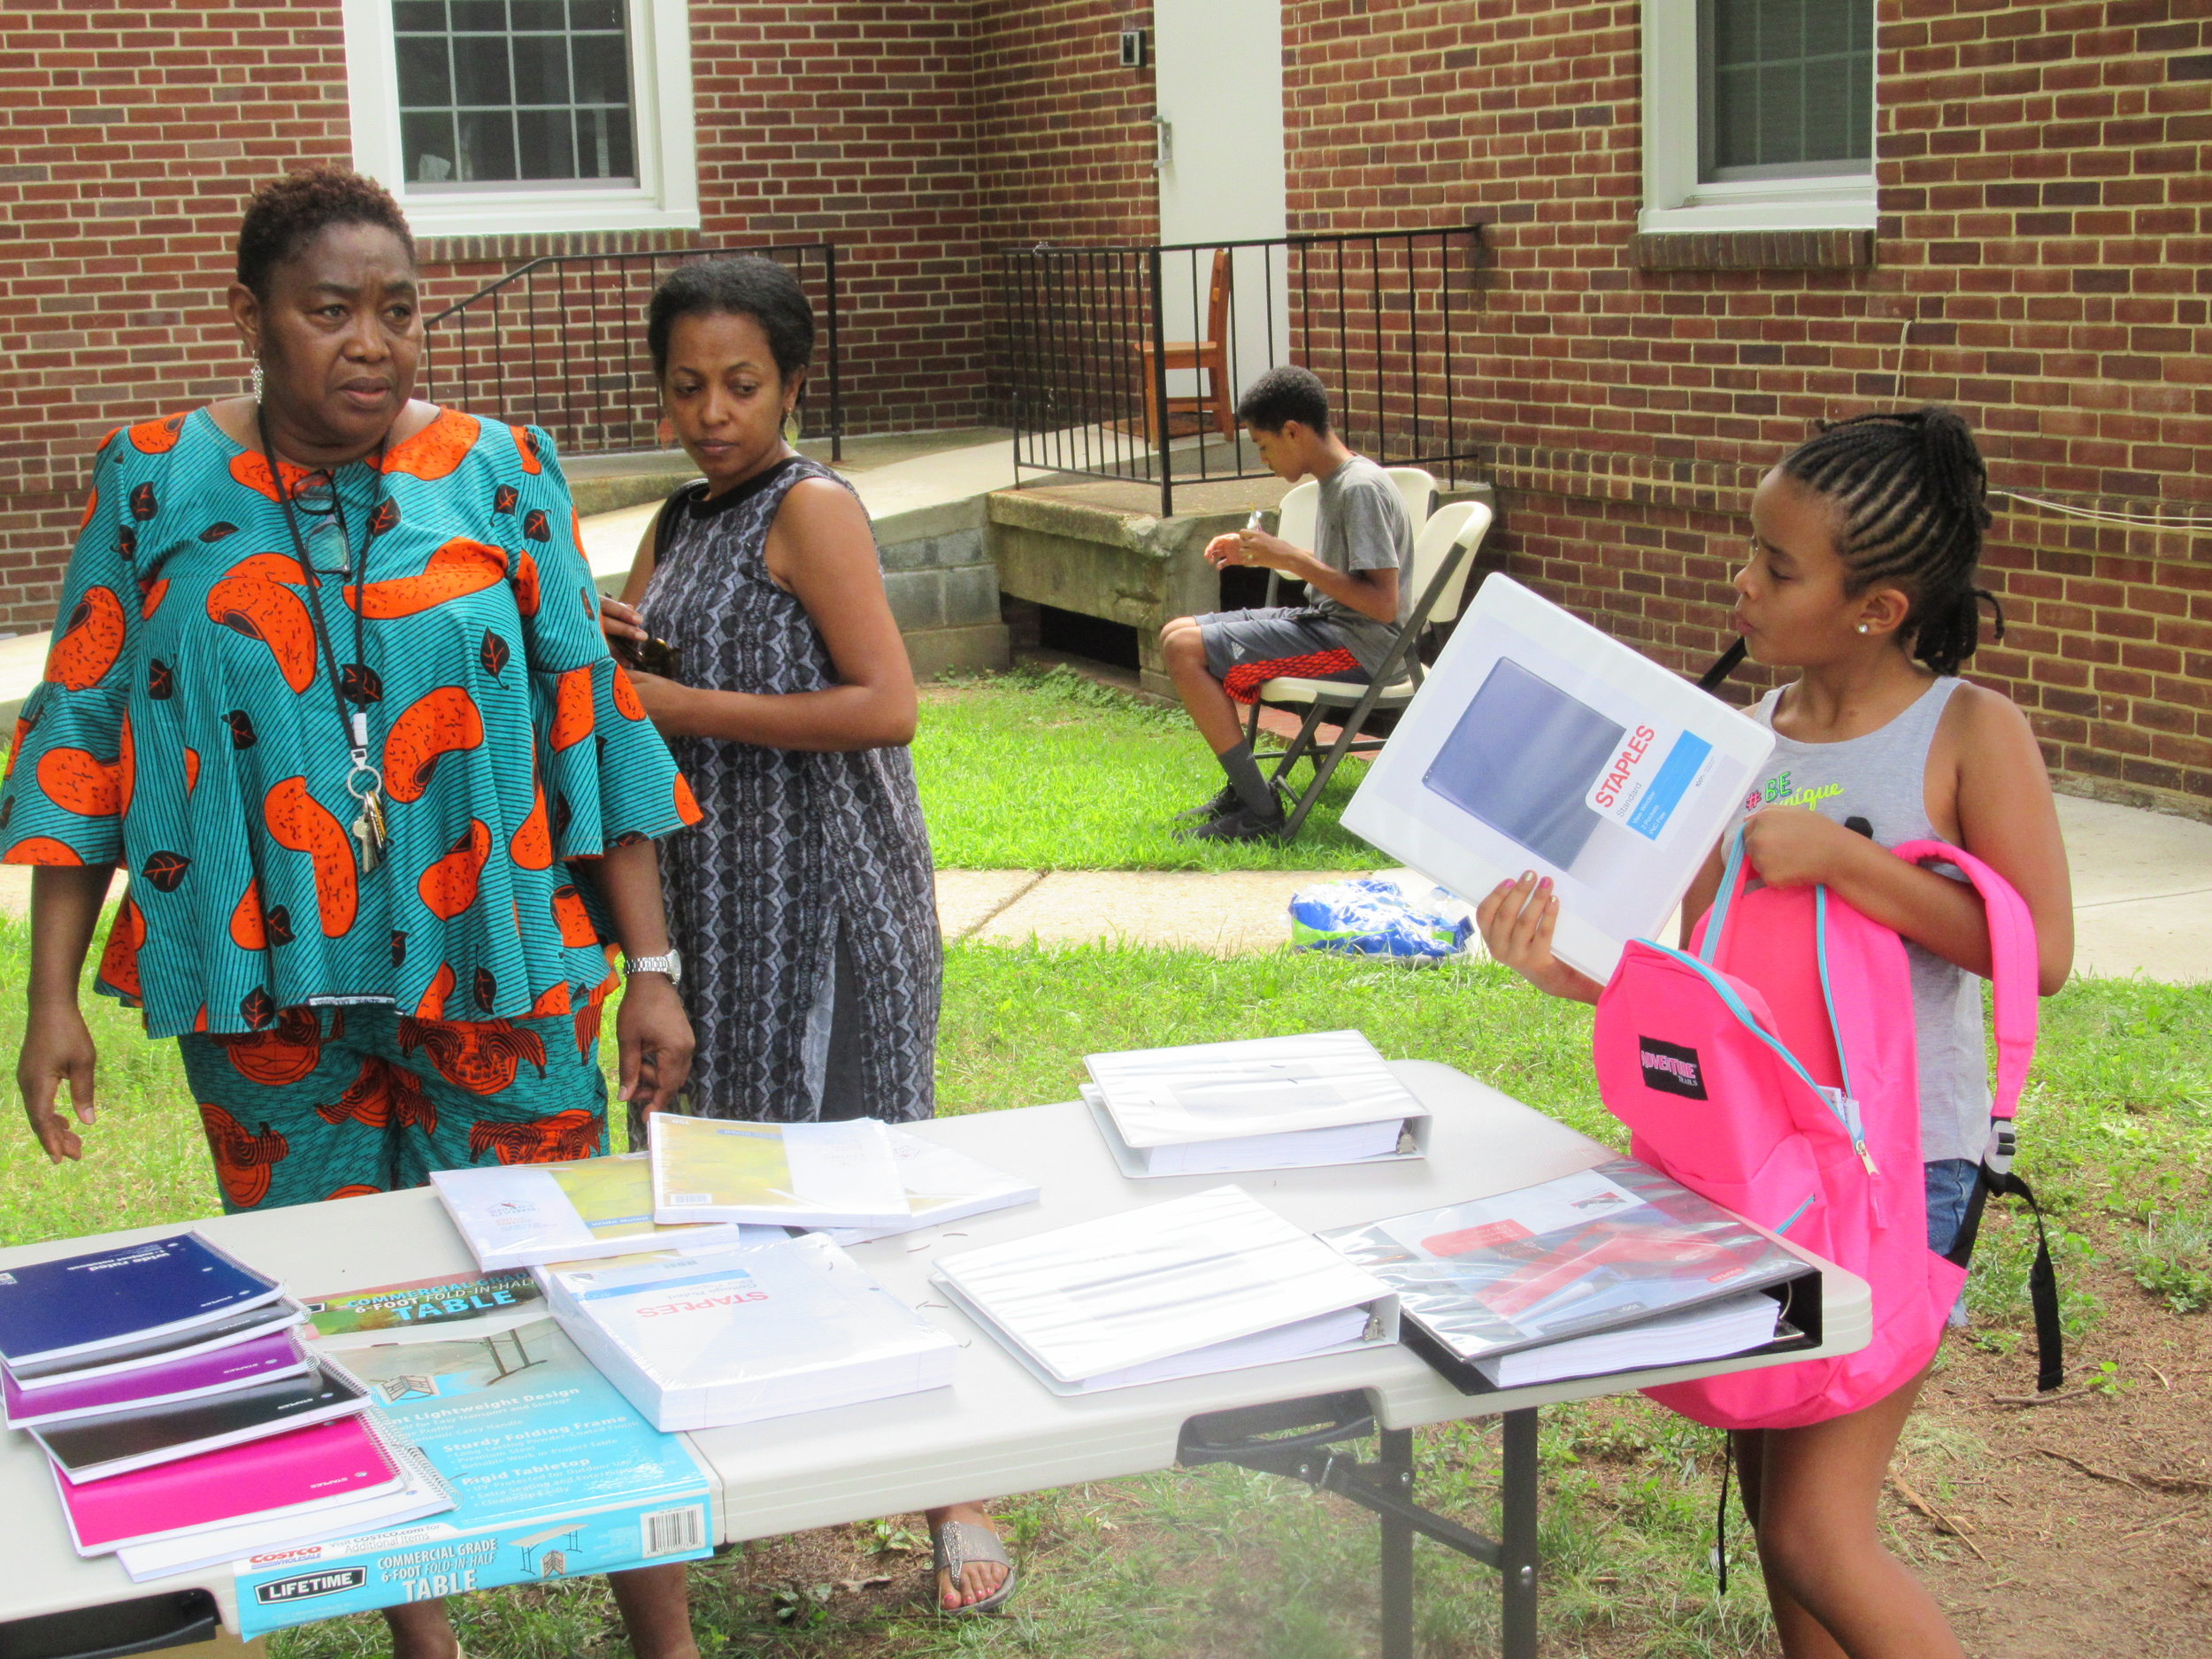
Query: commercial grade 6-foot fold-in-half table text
(996, 1430)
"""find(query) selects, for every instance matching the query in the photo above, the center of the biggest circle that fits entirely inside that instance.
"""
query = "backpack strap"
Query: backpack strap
(2014, 973)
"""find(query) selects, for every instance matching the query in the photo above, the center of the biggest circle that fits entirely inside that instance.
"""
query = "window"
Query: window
(520, 116)
(1758, 114)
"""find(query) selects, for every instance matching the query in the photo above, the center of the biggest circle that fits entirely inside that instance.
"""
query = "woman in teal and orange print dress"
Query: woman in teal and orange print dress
(352, 729)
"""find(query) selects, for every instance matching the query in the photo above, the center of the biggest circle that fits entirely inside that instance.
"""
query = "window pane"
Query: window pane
(509, 90)
(487, 145)
(424, 78)
(546, 147)
(541, 69)
(1785, 86)
(480, 70)
(602, 144)
(602, 70)
(426, 138)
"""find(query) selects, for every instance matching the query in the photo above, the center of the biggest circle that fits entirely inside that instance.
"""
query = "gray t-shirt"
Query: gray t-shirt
(1361, 524)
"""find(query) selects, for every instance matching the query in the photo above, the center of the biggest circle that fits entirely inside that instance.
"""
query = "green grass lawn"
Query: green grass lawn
(1053, 772)
(2117, 1131)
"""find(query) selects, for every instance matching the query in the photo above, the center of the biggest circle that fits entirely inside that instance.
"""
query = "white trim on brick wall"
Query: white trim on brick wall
(1673, 198)
(666, 198)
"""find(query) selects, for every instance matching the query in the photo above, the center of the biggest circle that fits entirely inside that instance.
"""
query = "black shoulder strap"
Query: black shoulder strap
(665, 520)
(1724, 666)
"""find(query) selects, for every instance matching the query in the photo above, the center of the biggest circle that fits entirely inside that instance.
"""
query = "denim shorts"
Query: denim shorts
(1950, 1196)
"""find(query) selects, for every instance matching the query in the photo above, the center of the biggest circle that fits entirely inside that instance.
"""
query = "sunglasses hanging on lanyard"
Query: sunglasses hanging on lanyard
(369, 828)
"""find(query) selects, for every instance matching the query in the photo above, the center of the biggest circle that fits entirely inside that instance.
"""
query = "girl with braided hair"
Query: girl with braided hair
(1860, 578)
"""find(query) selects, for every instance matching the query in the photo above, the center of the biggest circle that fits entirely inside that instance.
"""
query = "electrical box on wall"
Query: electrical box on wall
(1132, 49)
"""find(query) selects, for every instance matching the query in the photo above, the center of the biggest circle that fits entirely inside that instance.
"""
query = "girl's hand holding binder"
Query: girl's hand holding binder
(1517, 919)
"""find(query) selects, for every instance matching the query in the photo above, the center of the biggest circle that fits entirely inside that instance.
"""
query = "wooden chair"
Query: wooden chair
(1209, 357)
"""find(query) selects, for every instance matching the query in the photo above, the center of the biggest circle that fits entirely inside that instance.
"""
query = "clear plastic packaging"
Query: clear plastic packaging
(1261, 1086)
(789, 1175)
(521, 1215)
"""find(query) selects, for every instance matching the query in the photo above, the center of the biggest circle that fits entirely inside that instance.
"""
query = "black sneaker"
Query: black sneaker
(1224, 801)
(1240, 824)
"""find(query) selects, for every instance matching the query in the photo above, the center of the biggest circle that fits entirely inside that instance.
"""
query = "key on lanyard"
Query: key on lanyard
(368, 827)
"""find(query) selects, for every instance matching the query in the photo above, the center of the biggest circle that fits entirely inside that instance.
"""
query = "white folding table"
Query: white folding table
(996, 1430)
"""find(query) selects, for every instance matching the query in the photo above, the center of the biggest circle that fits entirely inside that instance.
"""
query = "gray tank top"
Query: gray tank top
(1882, 778)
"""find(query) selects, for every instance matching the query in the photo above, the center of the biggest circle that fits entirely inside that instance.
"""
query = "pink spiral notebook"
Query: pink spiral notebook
(290, 1474)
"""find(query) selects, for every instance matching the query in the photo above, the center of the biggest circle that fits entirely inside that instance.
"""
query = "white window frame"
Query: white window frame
(1674, 200)
(664, 197)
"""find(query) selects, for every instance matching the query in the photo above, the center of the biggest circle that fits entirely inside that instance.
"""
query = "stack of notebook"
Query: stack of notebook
(1611, 1269)
(705, 1339)
(1213, 1282)
(1266, 1104)
(178, 1410)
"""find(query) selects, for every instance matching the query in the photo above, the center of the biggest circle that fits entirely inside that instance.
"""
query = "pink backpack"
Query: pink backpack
(1774, 1072)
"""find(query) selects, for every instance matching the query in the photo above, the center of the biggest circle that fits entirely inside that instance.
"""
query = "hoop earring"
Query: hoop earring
(253, 380)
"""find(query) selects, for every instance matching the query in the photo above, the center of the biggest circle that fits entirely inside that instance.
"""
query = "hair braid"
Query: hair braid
(1913, 495)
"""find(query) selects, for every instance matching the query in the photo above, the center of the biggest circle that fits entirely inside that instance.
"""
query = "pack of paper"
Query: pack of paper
(1538, 742)
(521, 1215)
(941, 1185)
(706, 1338)
(1082, 1303)
(1261, 1086)
(788, 1175)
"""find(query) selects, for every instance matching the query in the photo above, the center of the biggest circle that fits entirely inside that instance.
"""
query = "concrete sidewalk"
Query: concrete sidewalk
(2142, 899)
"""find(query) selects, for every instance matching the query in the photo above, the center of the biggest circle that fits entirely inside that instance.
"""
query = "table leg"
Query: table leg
(1394, 1465)
(1516, 1538)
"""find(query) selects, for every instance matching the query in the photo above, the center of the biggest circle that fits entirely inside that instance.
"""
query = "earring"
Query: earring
(791, 426)
(253, 382)
(1861, 627)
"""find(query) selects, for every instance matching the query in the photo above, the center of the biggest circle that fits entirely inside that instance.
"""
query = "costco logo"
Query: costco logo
(305, 1587)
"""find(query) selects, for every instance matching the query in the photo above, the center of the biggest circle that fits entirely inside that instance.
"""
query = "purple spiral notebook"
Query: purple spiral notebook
(264, 1359)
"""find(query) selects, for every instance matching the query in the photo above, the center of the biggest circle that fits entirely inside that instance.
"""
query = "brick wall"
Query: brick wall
(2043, 262)
(131, 136)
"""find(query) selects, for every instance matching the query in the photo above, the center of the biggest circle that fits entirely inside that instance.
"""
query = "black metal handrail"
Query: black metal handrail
(559, 343)
(1093, 340)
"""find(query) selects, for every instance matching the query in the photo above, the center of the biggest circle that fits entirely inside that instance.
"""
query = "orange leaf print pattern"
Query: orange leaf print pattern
(575, 920)
(284, 1055)
(150, 600)
(525, 583)
(456, 570)
(43, 849)
(449, 887)
(191, 770)
(482, 1057)
(71, 778)
(526, 448)
(435, 725)
(573, 1134)
(299, 822)
(434, 1000)
(532, 846)
(625, 697)
(275, 616)
(242, 1162)
(156, 437)
(437, 449)
(248, 928)
(572, 716)
(118, 962)
(90, 643)
(250, 468)
(687, 804)
(383, 1095)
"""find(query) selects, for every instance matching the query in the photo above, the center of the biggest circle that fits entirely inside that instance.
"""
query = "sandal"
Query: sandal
(956, 1544)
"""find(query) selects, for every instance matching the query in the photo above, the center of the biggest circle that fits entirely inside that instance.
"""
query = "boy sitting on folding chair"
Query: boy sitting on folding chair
(1355, 602)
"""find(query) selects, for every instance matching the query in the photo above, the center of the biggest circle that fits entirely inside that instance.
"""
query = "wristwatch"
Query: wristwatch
(672, 964)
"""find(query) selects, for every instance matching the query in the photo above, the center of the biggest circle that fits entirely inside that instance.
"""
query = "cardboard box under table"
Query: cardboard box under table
(996, 1430)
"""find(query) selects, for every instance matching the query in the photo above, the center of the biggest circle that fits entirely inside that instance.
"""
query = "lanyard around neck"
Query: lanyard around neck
(354, 725)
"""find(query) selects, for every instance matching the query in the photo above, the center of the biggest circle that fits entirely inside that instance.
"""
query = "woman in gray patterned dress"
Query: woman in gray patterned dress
(804, 905)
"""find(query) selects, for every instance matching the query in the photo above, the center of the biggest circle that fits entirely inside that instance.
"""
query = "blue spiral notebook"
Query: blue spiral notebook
(80, 1305)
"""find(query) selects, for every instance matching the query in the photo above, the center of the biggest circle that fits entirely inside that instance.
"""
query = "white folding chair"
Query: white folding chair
(1443, 558)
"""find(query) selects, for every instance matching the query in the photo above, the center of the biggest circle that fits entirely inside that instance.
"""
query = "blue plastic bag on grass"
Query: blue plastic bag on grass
(1374, 917)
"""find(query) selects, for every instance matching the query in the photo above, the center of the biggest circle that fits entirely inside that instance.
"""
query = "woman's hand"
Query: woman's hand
(57, 1048)
(1516, 920)
(670, 705)
(654, 1036)
(1794, 847)
(619, 623)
